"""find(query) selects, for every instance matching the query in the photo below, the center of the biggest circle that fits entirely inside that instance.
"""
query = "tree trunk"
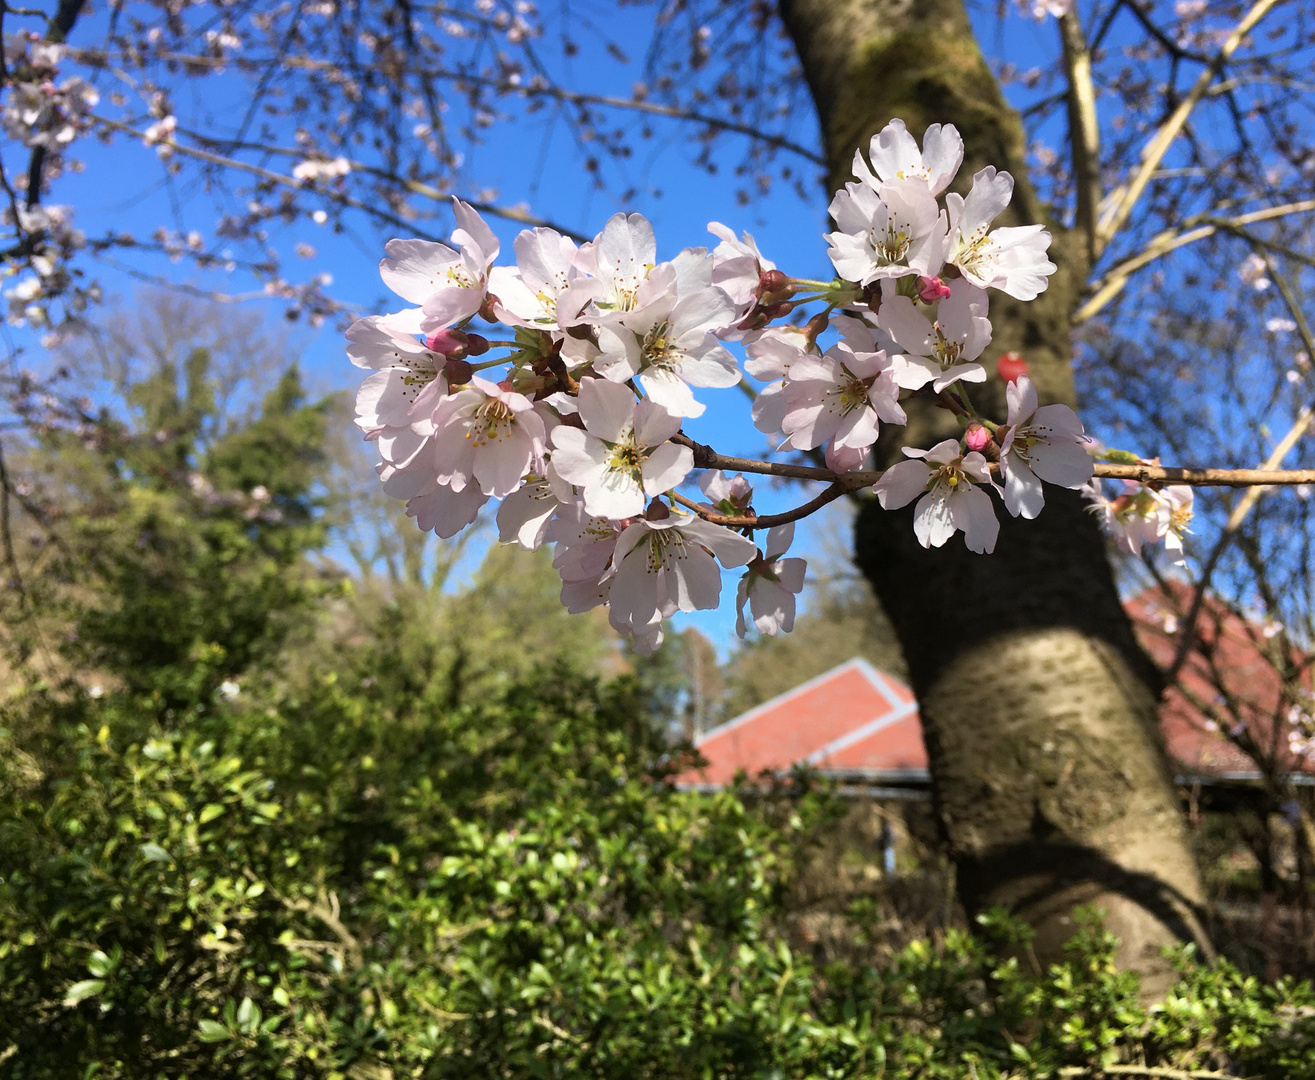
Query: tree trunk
(1038, 707)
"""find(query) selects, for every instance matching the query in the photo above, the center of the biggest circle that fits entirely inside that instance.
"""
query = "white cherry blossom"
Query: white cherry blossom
(661, 567)
(771, 352)
(524, 515)
(618, 264)
(940, 352)
(1131, 519)
(448, 285)
(487, 434)
(1045, 443)
(770, 586)
(668, 343)
(585, 544)
(1174, 517)
(403, 369)
(893, 231)
(895, 156)
(841, 395)
(444, 511)
(738, 267)
(1012, 260)
(951, 499)
(846, 458)
(728, 494)
(528, 293)
(623, 456)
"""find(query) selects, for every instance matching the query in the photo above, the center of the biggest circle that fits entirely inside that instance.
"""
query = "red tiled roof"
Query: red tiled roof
(1229, 662)
(861, 723)
(852, 718)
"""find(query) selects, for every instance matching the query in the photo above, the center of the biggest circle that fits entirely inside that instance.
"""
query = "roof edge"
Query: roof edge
(875, 677)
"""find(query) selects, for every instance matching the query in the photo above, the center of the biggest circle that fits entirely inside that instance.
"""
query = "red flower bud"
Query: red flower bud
(1011, 365)
(657, 510)
(816, 325)
(476, 344)
(458, 372)
(772, 281)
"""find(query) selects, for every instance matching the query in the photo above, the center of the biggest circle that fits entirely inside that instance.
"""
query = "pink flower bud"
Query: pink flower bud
(976, 437)
(931, 289)
(447, 342)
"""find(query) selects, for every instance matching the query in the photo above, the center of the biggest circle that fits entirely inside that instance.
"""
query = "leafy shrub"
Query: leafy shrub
(319, 885)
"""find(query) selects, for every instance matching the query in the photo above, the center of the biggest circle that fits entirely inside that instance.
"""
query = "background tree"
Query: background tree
(368, 115)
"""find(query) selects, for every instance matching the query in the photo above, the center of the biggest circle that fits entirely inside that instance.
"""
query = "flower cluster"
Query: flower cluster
(1142, 514)
(572, 416)
(40, 111)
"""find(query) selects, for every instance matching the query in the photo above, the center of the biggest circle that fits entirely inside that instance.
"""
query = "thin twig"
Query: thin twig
(1198, 228)
(1253, 478)
(413, 186)
(1169, 131)
(1160, 1071)
(707, 458)
(502, 86)
(1245, 504)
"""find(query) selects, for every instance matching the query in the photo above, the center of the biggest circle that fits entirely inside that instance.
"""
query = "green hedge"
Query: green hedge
(330, 885)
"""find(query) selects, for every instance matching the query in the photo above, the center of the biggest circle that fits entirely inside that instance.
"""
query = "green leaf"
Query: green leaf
(99, 964)
(80, 991)
(156, 853)
(209, 812)
(211, 1031)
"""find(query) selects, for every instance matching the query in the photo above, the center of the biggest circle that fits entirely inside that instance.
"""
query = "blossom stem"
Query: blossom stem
(707, 458)
(768, 521)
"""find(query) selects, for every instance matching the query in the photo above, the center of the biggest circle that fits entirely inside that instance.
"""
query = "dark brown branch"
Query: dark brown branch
(66, 15)
(768, 521)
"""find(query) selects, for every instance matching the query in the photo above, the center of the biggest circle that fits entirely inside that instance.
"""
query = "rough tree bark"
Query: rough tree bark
(1038, 707)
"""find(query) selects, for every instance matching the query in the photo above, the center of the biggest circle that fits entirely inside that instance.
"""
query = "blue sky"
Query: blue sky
(124, 186)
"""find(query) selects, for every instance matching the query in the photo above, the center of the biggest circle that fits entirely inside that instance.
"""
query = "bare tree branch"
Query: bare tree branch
(1159, 145)
(1083, 128)
(1199, 228)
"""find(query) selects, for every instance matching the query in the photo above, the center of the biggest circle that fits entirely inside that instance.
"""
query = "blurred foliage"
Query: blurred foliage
(259, 820)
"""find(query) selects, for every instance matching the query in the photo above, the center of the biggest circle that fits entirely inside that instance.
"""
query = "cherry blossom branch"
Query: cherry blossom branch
(1084, 130)
(769, 521)
(707, 458)
(502, 86)
(414, 187)
(1113, 281)
(1268, 476)
(1169, 131)
(1252, 478)
(284, 180)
